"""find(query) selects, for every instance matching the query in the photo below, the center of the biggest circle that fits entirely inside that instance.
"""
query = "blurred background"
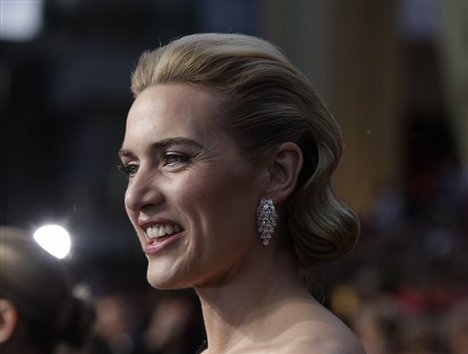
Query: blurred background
(395, 74)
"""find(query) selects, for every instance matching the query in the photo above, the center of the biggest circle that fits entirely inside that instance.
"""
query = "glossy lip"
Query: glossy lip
(155, 245)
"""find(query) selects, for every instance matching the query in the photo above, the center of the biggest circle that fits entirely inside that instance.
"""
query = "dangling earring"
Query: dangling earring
(266, 220)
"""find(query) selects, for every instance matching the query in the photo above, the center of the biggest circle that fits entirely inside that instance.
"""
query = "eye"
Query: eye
(173, 159)
(128, 170)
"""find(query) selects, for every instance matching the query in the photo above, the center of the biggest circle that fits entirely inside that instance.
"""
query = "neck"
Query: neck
(233, 311)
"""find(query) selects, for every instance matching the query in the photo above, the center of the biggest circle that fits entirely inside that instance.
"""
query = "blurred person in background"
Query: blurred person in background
(173, 326)
(114, 325)
(39, 313)
(229, 153)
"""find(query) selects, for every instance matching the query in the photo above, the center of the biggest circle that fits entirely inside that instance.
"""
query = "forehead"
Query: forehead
(173, 107)
(175, 113)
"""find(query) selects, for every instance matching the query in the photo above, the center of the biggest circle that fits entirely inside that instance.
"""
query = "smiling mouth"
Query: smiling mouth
(155, 232)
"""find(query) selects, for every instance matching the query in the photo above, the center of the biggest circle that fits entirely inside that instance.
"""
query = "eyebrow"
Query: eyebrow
(161, 145)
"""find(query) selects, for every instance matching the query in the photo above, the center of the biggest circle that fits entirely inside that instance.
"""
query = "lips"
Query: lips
(159, 234)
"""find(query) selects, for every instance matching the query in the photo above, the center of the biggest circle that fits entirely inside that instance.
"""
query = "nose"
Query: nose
(142, 191)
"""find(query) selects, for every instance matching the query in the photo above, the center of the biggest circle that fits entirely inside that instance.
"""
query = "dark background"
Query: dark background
(63, 107)
(395, 73)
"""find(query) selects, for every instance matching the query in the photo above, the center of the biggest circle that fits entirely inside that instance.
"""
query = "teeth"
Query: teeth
(152, 232)
(162, 230)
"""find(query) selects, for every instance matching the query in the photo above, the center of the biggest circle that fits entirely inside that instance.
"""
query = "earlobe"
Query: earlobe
(8, 319)
(284, 168)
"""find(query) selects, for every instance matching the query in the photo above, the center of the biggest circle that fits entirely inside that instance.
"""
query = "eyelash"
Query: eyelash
(169, 159)
(127, 170)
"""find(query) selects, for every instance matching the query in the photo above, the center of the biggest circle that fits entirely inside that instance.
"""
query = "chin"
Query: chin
(161, 279)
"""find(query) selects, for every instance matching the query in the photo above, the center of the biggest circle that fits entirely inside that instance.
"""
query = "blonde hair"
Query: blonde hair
(267, 102)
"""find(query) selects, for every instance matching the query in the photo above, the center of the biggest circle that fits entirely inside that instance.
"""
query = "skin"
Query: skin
(188, 184)
(252, 298)
(13, 336)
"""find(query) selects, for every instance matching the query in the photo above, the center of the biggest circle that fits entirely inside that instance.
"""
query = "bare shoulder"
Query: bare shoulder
(332, 342)
(320, 332)
(321, 339)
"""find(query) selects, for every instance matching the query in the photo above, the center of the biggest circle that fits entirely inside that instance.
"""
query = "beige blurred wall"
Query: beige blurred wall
(351, 53)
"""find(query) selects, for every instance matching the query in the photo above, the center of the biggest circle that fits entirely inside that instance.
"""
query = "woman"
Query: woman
(38, 311)
(229, 154)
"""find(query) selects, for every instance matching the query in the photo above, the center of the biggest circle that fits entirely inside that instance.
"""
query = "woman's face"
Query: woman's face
(191, 196)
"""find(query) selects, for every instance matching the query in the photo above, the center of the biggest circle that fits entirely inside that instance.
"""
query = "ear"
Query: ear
(8, 319)
(284, 167)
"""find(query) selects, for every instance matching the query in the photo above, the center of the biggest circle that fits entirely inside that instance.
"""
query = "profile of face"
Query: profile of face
(191, 195)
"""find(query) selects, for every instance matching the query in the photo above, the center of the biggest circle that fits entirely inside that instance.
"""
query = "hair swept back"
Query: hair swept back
(267, 102)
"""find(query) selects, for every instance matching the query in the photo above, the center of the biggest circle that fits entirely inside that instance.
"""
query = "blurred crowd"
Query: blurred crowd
(404, 288)
(147, 322)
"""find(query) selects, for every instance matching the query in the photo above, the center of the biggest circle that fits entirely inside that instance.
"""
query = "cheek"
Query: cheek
(224, 200)
(205, 190)
(195, 194)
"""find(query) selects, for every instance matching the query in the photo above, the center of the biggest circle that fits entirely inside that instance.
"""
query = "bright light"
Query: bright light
(54, 239)
(20, 20)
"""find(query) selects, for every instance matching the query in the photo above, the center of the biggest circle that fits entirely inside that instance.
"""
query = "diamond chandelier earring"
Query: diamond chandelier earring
(266, 220)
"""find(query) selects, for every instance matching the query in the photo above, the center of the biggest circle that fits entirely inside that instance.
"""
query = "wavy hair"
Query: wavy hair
(267, 102)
